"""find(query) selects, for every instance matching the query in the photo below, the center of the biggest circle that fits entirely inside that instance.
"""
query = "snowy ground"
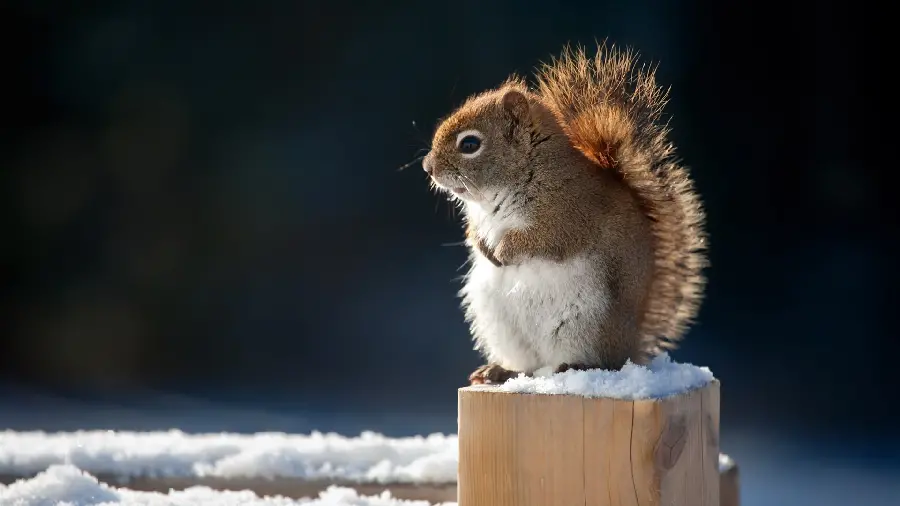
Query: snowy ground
(369, 457)
(772, 472)
(69, 486)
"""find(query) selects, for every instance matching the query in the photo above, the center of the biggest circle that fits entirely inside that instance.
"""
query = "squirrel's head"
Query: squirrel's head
(492, 143)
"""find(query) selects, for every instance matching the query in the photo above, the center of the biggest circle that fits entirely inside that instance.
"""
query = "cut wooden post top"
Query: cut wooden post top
(638, 436)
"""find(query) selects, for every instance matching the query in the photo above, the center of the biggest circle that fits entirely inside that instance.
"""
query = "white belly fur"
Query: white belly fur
(537, 314)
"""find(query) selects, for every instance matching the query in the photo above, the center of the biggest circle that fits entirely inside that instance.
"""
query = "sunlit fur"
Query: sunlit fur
(611, 109)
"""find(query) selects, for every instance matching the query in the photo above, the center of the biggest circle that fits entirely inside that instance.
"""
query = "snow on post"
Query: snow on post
(641, 435)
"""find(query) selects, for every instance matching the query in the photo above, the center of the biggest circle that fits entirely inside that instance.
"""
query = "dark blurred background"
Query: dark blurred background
(205, 227)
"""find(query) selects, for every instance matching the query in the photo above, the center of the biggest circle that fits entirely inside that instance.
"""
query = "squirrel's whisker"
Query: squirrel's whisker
(467, 189)
(464, 178)
(415, 161)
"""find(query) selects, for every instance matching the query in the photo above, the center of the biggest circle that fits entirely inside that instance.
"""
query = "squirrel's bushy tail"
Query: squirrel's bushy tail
(612, 112)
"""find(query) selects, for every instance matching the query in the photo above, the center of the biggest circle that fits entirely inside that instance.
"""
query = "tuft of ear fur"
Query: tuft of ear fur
(611, 110)
(516, 105)
(518, 112)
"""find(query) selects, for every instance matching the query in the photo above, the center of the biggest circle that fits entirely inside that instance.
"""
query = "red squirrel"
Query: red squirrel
(585, 233)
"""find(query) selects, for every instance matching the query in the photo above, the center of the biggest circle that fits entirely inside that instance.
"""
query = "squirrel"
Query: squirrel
(585, 234)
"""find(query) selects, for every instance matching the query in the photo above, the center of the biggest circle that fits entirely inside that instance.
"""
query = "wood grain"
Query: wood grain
(547, 450)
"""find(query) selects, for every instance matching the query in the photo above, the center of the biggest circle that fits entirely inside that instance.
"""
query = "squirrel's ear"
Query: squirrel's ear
(516, 105)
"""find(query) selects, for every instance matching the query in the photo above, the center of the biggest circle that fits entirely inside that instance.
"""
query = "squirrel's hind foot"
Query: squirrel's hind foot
(491, 374)
(576, 367)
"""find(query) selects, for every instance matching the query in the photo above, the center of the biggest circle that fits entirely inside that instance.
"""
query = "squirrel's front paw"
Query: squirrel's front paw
(504, 254)
(491, 374)
(487, 252)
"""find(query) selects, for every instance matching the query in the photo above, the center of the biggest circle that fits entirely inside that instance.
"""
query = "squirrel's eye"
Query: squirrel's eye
(469, 144)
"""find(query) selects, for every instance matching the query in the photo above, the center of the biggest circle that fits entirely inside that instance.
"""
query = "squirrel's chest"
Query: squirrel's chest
(526, 315)
(547, 282)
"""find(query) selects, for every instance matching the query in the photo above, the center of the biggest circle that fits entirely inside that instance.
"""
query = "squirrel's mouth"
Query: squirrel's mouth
(456, 190)
(452, 186)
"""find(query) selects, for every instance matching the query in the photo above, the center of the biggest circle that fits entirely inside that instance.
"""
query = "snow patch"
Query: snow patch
(725, 463)
(66, 485)
(661, 378)
(369, 457)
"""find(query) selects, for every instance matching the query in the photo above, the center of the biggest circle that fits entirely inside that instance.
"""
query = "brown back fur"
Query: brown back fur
(612, 112)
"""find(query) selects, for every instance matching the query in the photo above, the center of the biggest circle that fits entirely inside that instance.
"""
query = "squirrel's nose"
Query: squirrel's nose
(428, 164)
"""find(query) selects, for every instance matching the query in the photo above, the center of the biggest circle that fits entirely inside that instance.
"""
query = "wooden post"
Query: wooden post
(729, 483)
(548, 450)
